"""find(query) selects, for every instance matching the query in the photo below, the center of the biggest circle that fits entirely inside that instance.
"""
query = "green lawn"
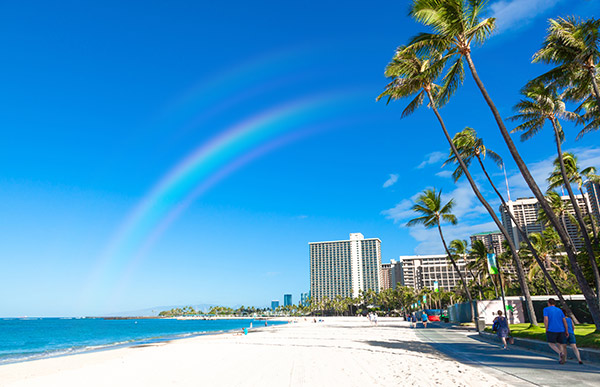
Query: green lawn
(584, 333)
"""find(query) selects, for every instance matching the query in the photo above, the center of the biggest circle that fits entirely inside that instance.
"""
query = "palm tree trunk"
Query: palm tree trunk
(579, 217)
(490, 210)
(460, 275)
(530, 245)
(592, 71)
(588, 293)
(588, 207)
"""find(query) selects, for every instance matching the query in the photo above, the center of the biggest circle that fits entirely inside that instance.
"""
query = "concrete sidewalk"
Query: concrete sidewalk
(514, 366)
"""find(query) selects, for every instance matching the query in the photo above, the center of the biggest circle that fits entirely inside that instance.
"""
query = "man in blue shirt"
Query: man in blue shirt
(557, 330)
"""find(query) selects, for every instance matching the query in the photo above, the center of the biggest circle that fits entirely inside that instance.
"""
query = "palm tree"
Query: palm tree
(575, 176)
(470, 146)
(572, 45)
(412, 74)
(543, 103)
(478, 254)
(456, 25)
(459, 248)
(433, 212)
(560, 208)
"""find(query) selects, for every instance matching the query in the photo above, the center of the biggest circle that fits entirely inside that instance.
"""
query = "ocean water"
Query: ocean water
(24, 339)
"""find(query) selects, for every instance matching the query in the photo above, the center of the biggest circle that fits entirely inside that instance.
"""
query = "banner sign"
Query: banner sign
(424, 298)
(492, 266)
(436, 287)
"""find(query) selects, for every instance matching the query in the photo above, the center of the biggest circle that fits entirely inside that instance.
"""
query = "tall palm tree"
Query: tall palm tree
(459, 248)
(456, 24)
(433, 213)
(541, 104)
(575, 176)
(574, 46)
(560, 208)
(478, 254)
(470, 146)
(414, 73)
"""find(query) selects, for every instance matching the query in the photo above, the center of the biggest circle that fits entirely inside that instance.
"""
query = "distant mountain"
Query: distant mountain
(154, 311)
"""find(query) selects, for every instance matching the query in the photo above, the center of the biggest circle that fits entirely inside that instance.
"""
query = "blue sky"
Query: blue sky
(101, 101)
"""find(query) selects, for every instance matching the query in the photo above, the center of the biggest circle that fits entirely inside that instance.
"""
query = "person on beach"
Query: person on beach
(375, 318)
(424, 319)
(502, 328)
(413, 320)
(557, 330)
(571, 339)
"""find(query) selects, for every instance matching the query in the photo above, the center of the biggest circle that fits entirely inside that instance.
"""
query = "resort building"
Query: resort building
(287, 300)
(274, 305)
(492, 241)
(423, 271)
(345, 267)
(396, 273)
(386, 276)
(593, 194)
(525, 211)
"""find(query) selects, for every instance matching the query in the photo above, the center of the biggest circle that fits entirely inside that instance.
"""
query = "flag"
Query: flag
(436, 287)
(424, 298)
(491, 260)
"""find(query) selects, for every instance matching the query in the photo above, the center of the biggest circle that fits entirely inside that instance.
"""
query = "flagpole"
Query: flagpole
(501, 282)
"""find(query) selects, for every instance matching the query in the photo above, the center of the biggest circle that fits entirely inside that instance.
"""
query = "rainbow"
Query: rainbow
(204, 167)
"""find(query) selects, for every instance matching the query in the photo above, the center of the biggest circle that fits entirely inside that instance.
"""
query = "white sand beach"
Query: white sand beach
(336, 352)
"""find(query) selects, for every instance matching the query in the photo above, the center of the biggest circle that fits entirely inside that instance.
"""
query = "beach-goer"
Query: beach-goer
(413, 320)
(266, 323)
(250, 324)
(571, 339)
(424, 319)
(375, 318)
(502, 329)
(557, 331)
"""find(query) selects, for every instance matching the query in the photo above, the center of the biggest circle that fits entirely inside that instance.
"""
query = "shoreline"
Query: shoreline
(338, 351)
(74, 351)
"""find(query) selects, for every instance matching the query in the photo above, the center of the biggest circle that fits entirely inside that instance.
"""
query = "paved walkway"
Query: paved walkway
(514, 366)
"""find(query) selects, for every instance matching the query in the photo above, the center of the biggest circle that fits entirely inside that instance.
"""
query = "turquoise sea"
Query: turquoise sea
(24, 339)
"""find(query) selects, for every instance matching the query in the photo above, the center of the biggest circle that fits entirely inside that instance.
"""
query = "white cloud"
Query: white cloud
(540, 170)
(430, 242)
(444, 173)
(514, 14)
(391, 181)
(431, 158)
(466, 205)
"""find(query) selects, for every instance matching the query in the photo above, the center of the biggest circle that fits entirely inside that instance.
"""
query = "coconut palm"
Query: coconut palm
(573, 45)
(479, 261)
(433, 213)
(562, 209)
(541, 104)
(575, 176)
(545, 245)
(459, 248)
(456, 24)
(470, 146)
(414, 74)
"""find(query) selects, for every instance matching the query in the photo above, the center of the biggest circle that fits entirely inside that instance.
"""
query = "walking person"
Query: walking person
(557, 330)
(424, 319)
(571, 339)
(413, 320)
(501, 327)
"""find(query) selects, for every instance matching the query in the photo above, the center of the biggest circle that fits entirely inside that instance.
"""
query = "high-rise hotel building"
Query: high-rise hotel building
(345, 267)
(525, 211)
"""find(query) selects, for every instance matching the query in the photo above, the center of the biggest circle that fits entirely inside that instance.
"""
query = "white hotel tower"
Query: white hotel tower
(345, 267)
